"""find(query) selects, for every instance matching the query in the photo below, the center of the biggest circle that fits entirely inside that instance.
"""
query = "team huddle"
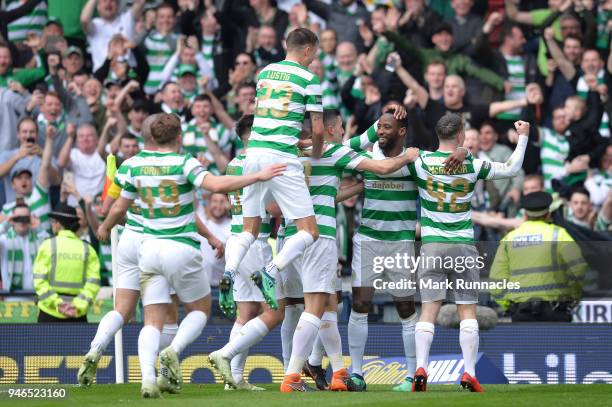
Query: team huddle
(292, 167)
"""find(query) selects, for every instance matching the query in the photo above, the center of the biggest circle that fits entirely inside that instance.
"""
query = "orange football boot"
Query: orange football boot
(471, 383)
(338, 382)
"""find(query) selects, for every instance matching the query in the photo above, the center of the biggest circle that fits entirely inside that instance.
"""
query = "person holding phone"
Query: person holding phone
(27, 157)
(34, 192)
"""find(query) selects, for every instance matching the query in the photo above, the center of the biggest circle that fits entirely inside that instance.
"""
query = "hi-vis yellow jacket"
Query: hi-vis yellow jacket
(66, 269)
(544, 259)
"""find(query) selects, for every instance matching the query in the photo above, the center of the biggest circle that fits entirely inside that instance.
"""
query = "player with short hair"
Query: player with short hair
(126, 282)
(127, 279)
(387, 216)
(242, 294)
(447, 232)
(285, 91)
(316, 269)
(165, 182)
(388, 223)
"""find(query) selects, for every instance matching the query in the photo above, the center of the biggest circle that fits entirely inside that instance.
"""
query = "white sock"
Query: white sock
(189, 330)
(423, 336)
(239, 360)
(251, 333)
(292, 248)
(357, 338)
(306, 333)
(318, 350)
(236, 248)
(468, 338)
(148, 343)
(167, 335)
(330, 337)
(292, 316)
(107, 328)
(408, 325)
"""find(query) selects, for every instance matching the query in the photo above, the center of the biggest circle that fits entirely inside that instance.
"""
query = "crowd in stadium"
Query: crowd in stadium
(79, 77)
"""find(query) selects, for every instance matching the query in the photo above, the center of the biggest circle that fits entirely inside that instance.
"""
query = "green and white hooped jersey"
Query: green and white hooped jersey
(329, 65)
(165, 183)
(582, 89)
(516, 76)
(323, 177)
(554, 150)
(389, 206)
(33, 22)
(330, 95)
(235, 167)
(446, 210)
(134, 220)
(329, 85)
(157, 53)
(208, 44)
(38, 202)
(285, 92)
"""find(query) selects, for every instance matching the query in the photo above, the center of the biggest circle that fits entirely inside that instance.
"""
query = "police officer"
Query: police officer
(544, 260)
(66, 271)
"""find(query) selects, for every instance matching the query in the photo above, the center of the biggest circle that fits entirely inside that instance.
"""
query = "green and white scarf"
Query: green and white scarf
(18, 247)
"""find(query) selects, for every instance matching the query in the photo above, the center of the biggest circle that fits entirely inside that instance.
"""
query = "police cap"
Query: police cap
(536, 203)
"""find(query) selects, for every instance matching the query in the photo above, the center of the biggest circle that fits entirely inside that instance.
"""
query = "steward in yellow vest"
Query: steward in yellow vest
(545, 261)
(66, 271)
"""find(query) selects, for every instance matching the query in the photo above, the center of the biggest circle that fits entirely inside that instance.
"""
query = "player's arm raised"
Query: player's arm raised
(318, 131)
(514, 163)
(225, 183)
(389, 165)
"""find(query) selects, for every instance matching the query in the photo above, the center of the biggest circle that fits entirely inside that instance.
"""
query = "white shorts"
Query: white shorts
(363, 275)
(288, 190)
(289, 283)
(167, 264)
(128, 272)
(319, 271)
(258, 256)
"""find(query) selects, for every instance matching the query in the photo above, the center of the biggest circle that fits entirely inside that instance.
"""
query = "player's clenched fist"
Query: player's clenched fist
(522, 127)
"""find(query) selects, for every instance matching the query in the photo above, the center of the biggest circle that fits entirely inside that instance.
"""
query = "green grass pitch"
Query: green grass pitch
(379, 395)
